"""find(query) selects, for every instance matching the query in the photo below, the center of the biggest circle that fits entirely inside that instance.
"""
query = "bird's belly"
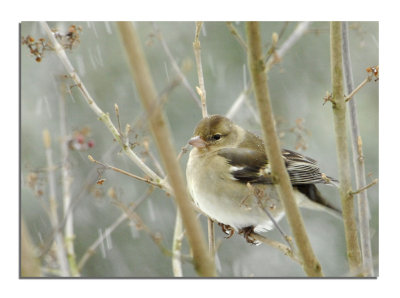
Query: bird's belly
(236, 208)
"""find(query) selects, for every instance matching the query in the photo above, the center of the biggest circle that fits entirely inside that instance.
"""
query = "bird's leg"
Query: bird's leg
(227, 230)
(246, 234)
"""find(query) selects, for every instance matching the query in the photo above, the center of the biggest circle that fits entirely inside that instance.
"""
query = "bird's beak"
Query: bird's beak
(197, 142)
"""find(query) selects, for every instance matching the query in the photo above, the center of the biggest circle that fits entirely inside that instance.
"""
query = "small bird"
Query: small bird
(229, 178)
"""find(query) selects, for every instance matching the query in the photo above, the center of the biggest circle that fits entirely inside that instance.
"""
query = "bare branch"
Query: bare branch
(375, 181)
(300, 30)
(185, 82)
(362, 84)
(339, 116)
(107, 232)
(197, 53)
(66, 185)
(275, 244)
(147, 180)
(104, 117)
(58, 237)
(310, 264)
(177, 245)
(236, 34)
(148, 95)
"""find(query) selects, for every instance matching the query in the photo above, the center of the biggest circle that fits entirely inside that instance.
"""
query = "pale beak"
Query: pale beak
(197, 142)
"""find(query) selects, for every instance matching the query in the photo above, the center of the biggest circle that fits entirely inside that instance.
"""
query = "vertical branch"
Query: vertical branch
(66, 185)
(358, 161)
(197, 53)
(60, 249)
(29, 263)
(201, 90)
(148, 95)
(177, 245)
(211, 237)
(339, 115)
(311, 265)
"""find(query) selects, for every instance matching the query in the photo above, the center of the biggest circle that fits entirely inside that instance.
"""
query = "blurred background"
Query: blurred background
(298, 84)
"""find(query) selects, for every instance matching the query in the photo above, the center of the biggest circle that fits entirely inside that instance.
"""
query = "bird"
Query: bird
(229, 179)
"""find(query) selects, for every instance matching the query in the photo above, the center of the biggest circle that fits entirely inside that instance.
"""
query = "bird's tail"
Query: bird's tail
(316, 201)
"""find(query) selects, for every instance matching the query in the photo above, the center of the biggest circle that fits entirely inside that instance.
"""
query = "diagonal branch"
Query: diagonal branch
(104, 117)
(162, 135)
(310, 264)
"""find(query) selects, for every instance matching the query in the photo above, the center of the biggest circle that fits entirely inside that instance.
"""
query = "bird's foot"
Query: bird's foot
(227, 229)
(247, 235)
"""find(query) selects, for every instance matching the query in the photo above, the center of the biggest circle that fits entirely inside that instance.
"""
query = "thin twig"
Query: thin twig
(275, 244)
(259, 195)
(375, 181)
(116, 109)
(211, 237)
(137, 220)
(58, 237)
(197, 53)
(300, 30)
(175, 65)
(362, 84)
(236, 34)
(147, 180)
(184, 149)
(107, 232)
(66, 186)
(177, 246)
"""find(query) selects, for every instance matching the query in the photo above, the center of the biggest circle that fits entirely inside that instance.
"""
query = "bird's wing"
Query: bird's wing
(252, 166)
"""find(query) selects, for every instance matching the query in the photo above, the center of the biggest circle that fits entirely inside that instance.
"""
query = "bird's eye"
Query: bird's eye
(216, 137)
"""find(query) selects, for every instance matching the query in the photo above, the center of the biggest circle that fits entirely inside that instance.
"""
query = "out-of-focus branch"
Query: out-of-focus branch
(148, 95)
(30, 266)
(177, 246)
(175, 65)
(236, 34)
(358, 160)
(310, 264)
(300, 30)
(58, 237)
(197, 53)
(107, 232)
(339, 116)
(66, 186)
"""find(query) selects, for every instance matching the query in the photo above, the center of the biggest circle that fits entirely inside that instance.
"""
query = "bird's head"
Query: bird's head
(214, 132)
